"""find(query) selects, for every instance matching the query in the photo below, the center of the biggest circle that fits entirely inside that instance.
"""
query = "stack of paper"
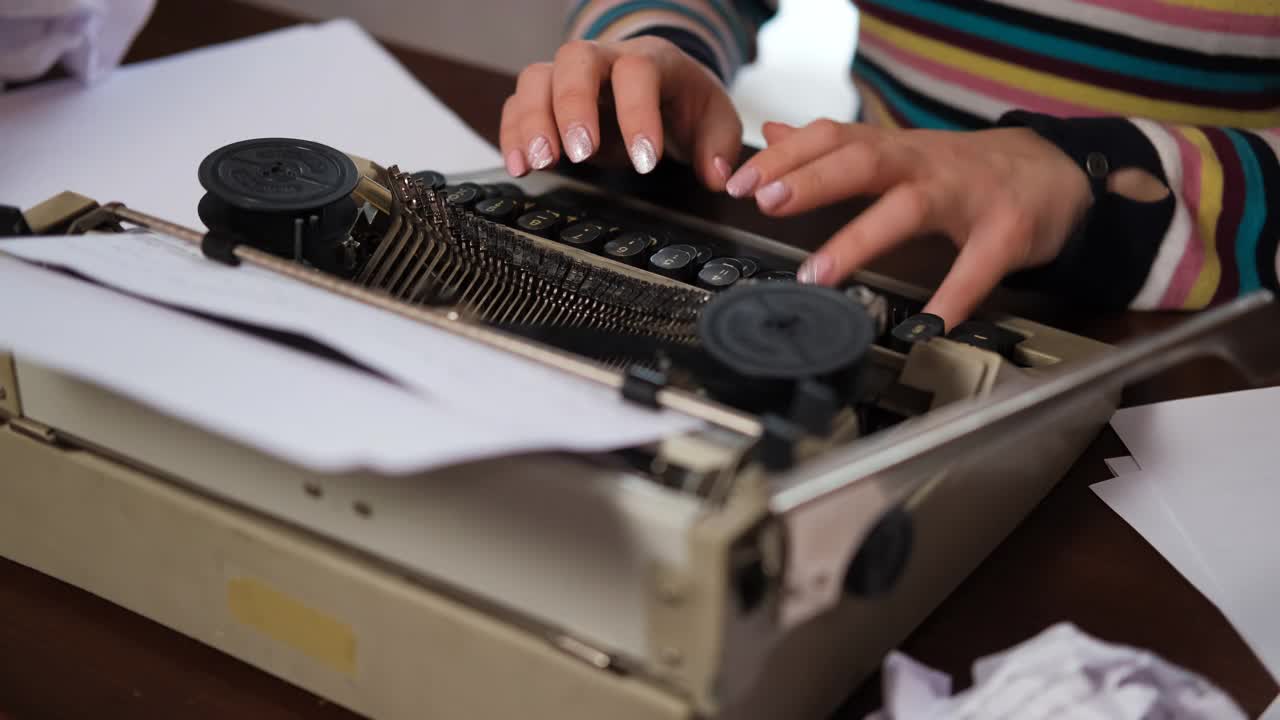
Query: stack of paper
(1203, 487)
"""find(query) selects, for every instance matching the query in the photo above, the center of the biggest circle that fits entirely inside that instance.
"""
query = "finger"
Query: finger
(798, 148)
(775, 131)
(637, 95)
(509, 140)
(991, 251)
(528, 120)
(851, 170)
(902, 213)
(580, 68)
(717, 139)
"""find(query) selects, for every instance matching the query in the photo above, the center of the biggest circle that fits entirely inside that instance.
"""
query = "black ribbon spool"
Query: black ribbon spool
(774, 337)
(288, 197)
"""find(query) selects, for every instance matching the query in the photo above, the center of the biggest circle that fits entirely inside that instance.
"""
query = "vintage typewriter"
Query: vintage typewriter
(855, 461)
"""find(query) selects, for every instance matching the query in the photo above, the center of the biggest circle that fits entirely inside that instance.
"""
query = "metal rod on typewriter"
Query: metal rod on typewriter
(676, 400)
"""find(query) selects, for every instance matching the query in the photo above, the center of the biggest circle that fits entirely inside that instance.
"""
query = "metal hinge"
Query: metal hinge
(592, 656)
(35, 430)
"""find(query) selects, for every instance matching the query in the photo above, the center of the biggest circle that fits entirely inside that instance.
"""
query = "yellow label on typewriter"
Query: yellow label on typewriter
(286, 620)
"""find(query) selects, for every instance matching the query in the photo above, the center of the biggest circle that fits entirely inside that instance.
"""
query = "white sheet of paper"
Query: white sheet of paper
(1133, 497)
(229, 383)
(138, 137)
(485, 383)
(1214, 463)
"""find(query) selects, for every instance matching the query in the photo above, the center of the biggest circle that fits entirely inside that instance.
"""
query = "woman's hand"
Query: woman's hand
(1006, 197)
(664, 101)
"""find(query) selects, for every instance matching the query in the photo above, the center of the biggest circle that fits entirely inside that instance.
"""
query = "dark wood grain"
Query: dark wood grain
(68, 655)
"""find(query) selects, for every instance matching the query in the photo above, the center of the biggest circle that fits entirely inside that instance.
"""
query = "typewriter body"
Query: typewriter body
(854, 462)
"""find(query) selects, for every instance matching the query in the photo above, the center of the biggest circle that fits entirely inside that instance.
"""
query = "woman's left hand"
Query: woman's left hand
(1006, 197)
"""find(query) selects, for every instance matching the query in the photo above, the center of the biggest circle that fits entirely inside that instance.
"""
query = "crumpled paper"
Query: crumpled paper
(1060, 674)
(88, 37)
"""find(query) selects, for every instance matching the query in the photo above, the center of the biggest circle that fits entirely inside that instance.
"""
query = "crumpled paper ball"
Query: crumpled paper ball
(1060, 674)
(87, 37)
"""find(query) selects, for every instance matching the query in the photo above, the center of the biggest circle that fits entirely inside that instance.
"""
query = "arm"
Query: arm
(720, 34)
(1212, 238)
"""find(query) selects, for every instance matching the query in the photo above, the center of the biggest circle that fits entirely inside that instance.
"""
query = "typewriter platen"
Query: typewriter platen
(856, 461)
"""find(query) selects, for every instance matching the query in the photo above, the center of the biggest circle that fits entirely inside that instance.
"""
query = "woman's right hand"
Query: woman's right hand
(664, 102)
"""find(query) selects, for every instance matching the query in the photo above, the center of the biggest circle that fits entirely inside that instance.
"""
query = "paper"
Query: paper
(138, 137)
(88, 37)
(486, 383)
(1062, 673)
(1136, 499)
(229, 383)
(1206, 497)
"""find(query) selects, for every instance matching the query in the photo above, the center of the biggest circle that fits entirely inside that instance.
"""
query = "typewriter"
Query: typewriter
(854, 462)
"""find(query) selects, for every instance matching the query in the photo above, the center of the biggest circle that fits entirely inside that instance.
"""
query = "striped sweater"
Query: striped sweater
(1189, 90)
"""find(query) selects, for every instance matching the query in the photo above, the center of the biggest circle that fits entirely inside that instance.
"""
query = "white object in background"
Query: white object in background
(496, 388)
(1062, 674)
(139, 136)
(802, 70)
(89, 37)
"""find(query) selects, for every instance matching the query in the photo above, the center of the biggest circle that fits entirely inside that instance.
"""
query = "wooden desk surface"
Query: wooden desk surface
(67, 654)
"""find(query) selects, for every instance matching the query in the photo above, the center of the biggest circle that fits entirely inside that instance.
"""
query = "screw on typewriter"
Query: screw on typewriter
(291, 198)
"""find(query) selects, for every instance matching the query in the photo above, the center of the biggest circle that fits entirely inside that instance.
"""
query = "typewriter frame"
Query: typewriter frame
(325, 581)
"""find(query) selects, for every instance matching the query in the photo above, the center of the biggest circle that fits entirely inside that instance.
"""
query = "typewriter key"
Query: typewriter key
(499, 209)
(704, 255)
(464, 195)
(510, 190)
(431, 179)
(786, 332)
(777, 276)
(584, 234)
(718, 274)
(988, 336)
(915, 329)
(747, 265)
(630, 247)
(539, 222)
(674, 261)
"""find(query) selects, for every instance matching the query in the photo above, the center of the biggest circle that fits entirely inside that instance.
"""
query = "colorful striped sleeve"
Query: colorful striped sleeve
(719, 33)
(1221, 241)
(1212, 239)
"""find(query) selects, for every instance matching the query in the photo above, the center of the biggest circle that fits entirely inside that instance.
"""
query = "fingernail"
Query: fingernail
(577, 143)
(539, 153)
(515, 164)
(773, 195)
(815, 270)
(722, 166)
(643, 155)
(743, 182)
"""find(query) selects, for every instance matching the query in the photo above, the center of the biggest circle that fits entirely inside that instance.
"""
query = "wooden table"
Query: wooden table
(67, 654)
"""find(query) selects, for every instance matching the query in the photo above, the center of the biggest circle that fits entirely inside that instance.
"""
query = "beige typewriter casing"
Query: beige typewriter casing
(558, 586)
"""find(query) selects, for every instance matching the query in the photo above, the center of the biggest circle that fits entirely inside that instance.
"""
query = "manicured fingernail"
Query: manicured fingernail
(539, 153)
(515, 164)
(743, 182)
(577, 143)
(773, 195)
(722, 167)
(643, 155)
(815, 270)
